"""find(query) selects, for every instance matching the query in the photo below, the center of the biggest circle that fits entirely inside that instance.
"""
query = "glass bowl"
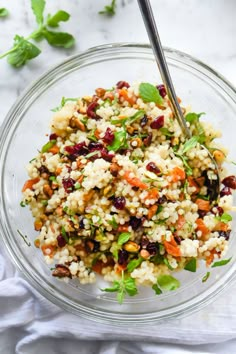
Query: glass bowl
(23, 132)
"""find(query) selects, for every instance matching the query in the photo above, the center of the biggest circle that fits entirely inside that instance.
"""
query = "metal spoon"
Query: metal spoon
(150, 24)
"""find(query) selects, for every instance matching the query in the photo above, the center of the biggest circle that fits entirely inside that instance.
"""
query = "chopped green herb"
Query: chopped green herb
(109, 10)
(221, 263)
(64, 234)
(22, 204)
(59, 16)
(167, 282)
(189, 144)
(149, 93)
(123, 238)
(52, 178)
(157, 290)
(206, 276)
(4, 12)
(204, 197)
(113, 223)
(24, 237)
(133, 264)
(193, 117)
(119, 141)
(159, 209)
(44, 202)
(167, 263)
(48, 146)
(77, 185)
(91, 154)
(166, 132)
(123, 287)
(32, 160)
(64, 100)
(191, 266)
(225, 218)
(91, 136)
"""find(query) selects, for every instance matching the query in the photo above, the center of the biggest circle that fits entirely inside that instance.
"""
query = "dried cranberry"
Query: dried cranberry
(152, 248)
(53, 136)
(162, 200)
(61, 241)
(219, 210)
(43, 169)
(81, 224)
(225, 191)
(68, 184)
(157, 123)
(122, 84)
(148, 140)
(92, 146)
(106, 155)
(178, 239)
(119, 203)
(225, 234)
(91, 110)
(144, 121)
(152, 167)
(76, 150)
(109, 136)
(230, 182)
(123, 256)
(162, 90)
(202, 213)
(135, 223)
(91, 246)
(144, 241)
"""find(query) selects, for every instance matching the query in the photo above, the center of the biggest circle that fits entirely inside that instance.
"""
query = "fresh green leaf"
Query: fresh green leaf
(188, 169)
(119, 141)
(149, 93)
(64, 100)
(64, 234)
(157, 259)
(91, 154)
(59, 39)
(129, 120)
(113, 223)
(53, 21)
(204, 197)
(191, 266)
(135, 263)
(189, 144)
(221, 263)
(159, 209)
(22, 52)
(120, 296)
(38, 7)
(123, 238)
(206, 276)
(167, 282)
(91, 136)
(114, 288)
(22, 204)
(166, 132)
(48, 145)
(193, 117)
(109, 10)
(4, 12)
(167, 263)
(225, 218)
(130, 286)
(52, 178)
(157, 290)
(77, 185)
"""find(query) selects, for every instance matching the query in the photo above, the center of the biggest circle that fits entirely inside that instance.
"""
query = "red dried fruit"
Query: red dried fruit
(230, 182)
(157, 123)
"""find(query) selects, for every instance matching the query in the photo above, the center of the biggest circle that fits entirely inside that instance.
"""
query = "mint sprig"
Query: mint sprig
(23, 50)
(149, 93)
(109, 10)
(4, 12)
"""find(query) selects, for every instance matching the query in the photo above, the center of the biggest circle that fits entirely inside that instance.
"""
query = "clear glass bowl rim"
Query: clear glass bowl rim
(24, 100)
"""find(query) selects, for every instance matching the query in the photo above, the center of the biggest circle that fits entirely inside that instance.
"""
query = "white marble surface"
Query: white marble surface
(203, 28)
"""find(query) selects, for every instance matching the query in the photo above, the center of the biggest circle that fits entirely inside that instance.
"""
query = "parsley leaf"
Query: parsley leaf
(167, 282)
(123, 287)
(221, 263)
(206, 276)
(149, 93)
(109, 10)
(59, 16)
(191, 266)
(38, 7)
(4, 12)
(119, 141)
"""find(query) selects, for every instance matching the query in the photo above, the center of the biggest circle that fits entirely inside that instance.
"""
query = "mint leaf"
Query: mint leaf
(135, 263)
(193, 117)
(123, 238)
(22, 51)
(48, 145)
(189, 144)
(119, 141)
(157, 290)
(123, 287)
(59, 39)
(114, 288)
(206, 276)
(166, 132)
(191, 266)
(53, 21)
(149, 93)
(221, 263)
(38, 7)
(4, 12)
(167, 282)
(109, 10)
(130, 286)
(225, 218)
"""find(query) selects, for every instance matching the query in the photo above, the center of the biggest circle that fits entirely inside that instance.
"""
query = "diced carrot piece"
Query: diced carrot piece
(152, 211)
(177, 174)
(200, 181)
(54, 149)
(134, 181)
(58, 171)
(221, 226)
(152, 194)
(180, 222)
(209, 259)
(124, 93)
(172, 248)
(80, 179)
(97, 134)
(30, 183)
(120, 268)
(202, 227)
(192, 183)
(99, 265)
(48, 250)
(203, 204)
(123, 228)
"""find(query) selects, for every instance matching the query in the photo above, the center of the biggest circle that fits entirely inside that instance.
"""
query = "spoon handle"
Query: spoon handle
(149, 21)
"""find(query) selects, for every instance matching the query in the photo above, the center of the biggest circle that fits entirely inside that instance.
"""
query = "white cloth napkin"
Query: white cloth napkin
(31, 324)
